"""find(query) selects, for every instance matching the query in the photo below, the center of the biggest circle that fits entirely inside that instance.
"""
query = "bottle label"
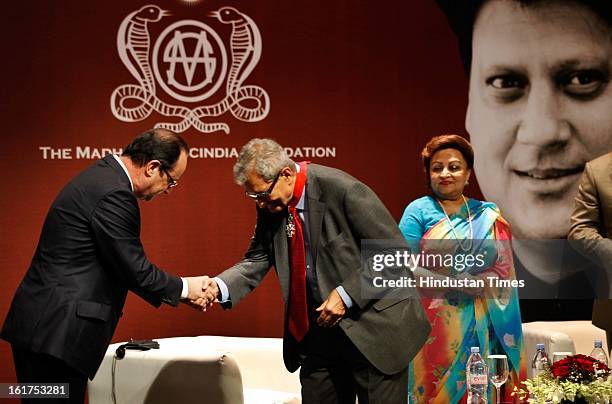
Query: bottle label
(478, 379)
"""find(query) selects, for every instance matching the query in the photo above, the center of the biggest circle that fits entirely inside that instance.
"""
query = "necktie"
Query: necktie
(298, 307)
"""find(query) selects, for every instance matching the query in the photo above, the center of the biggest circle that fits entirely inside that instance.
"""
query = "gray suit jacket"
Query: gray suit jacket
(591, 226)
(342, 212)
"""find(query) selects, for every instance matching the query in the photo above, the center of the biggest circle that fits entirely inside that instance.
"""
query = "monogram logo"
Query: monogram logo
(186, 75)
(189, 62)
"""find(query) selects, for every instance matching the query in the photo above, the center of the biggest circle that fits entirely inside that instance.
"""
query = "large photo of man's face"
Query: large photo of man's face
(540, 107)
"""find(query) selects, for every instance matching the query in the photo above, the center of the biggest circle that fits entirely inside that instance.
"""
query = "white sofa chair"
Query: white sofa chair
(264, 376)
(205, 369)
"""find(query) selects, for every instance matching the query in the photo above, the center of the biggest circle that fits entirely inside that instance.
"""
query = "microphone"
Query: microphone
(136, 344)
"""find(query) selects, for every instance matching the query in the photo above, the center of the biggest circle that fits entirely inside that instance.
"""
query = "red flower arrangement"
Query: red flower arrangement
(575, 379)
(579, 368)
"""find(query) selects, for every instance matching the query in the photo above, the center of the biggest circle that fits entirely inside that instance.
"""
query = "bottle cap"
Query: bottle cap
(598, 343)
(540, 346)
(475, 349)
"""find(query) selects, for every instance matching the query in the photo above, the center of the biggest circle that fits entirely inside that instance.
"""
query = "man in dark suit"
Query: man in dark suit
(591, 228)
(311, 220)
(89, 255)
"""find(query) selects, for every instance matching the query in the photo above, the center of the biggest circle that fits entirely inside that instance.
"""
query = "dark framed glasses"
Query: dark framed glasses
(171, 181)
(265, 195)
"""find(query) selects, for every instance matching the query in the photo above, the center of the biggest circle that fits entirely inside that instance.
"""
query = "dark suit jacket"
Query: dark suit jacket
(88, 256)
(342, 212)
(591, 226)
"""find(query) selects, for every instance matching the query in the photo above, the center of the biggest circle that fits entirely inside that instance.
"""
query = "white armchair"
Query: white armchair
(206, 369)
(264, 376)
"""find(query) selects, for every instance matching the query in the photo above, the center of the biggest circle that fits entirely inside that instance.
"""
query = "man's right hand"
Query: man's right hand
(199, 294)
(202, 292)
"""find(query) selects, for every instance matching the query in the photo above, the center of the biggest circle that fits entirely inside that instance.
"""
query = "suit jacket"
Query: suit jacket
(88, 256)
(591, 226)
(342, 211)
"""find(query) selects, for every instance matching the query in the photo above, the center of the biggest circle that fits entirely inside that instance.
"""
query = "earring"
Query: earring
(467, 182)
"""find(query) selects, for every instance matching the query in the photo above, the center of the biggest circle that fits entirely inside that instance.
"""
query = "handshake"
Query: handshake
(202, 292)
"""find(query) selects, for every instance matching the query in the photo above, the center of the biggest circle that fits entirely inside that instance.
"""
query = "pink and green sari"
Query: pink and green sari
(491, 321)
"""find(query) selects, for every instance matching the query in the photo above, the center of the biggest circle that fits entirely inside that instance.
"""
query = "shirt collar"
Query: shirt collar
(300, 204)
(124, 169)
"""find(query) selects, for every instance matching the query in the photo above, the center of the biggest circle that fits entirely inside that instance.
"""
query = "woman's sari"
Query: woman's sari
(490, 321)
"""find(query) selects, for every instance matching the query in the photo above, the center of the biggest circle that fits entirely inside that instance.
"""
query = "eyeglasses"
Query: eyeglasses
(171, 181)
(264, 196)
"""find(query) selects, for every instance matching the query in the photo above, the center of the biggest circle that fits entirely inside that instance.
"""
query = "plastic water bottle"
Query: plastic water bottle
(540, 362)
(598, 352)
(476, 372)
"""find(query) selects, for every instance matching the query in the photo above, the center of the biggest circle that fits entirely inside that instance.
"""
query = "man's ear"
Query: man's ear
(288, 174)
(152, 167)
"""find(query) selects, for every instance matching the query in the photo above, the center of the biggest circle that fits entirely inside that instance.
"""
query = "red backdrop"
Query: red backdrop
(370, 80)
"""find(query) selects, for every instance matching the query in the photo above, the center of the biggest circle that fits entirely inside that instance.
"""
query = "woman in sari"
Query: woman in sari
(478, 312)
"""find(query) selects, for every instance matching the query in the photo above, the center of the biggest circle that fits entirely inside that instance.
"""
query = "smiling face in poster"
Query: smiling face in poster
(540, 107)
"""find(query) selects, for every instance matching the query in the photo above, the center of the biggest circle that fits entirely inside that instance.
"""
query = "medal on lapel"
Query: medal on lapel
(290, 226)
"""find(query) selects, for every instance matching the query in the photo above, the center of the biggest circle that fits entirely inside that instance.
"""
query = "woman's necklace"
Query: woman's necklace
(467, 246)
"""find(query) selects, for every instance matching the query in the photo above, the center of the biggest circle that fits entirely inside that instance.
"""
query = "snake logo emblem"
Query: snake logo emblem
(189, 62)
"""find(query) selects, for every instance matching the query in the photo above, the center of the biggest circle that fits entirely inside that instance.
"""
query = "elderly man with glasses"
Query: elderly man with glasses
(310, 223)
